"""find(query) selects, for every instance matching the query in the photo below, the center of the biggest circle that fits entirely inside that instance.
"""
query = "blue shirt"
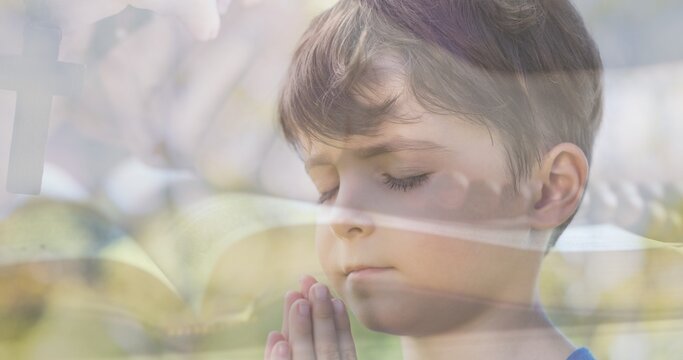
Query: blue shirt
(581, 354)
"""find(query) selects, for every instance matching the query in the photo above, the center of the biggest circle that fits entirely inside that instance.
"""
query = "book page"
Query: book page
(46, 231)
(187, 244)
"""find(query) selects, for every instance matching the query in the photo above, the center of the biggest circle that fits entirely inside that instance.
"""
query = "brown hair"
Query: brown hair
(527, 69)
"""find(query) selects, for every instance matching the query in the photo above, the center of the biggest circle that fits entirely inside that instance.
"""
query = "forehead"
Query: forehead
(427, 132)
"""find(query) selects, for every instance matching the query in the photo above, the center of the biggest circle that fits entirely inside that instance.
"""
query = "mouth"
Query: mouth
(365, 270)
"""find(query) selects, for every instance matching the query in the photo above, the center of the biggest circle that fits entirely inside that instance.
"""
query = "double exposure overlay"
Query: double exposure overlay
(351, 179)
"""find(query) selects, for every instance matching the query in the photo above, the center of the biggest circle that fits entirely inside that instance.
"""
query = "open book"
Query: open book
(209, 279)
(201, 279)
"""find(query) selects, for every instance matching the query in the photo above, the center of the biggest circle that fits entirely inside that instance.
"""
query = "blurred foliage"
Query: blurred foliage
(62, 295)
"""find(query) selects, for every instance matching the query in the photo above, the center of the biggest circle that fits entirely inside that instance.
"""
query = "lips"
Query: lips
(363, 268)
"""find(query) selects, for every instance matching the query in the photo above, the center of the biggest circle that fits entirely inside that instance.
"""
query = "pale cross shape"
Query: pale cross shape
(36, 76)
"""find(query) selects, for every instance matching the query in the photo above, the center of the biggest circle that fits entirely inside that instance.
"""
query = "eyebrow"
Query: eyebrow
(396, 144)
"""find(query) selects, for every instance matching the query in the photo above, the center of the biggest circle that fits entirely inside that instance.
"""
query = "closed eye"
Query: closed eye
(327, 195)
(402, 184)
(407, 183)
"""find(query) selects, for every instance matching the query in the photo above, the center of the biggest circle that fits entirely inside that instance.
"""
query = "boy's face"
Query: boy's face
(383, 199)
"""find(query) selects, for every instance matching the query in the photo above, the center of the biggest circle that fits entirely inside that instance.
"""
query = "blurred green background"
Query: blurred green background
(137, 219)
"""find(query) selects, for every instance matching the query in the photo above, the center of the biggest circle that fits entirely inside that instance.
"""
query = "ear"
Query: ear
(562, 175)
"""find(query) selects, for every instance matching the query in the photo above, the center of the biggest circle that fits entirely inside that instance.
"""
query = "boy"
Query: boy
(450, 142)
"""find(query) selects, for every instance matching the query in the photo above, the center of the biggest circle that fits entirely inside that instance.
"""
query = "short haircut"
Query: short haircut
(526, 69)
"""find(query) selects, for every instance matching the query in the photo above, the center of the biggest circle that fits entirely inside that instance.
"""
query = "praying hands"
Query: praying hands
(202, 17)
(315, 326)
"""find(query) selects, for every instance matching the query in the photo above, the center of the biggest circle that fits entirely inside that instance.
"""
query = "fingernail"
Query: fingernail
(304, 309)
(338, 306)
(282, 349)
(321, 292)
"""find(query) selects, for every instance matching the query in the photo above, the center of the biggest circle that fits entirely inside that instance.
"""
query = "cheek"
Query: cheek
(454, 197)
(442, 196)
(447, 196)
(422, 203)
(325, 249)
(464, 268)
(437, 262)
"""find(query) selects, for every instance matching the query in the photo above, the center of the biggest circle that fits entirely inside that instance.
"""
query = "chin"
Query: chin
(384, 318)
(411, 314)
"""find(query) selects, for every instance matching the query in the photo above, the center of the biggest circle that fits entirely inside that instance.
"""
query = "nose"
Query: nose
(350, 224)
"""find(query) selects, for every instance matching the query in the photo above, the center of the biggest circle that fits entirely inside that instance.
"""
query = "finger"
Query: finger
(306, 282)
(281, 351)
(324, 331)
(73, 15)
(347, 347)
(273, 338)
(200, 16)
(300, 330)
(290, 298)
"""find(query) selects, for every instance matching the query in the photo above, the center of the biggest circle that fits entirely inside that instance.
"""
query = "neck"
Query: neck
(522, 332)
